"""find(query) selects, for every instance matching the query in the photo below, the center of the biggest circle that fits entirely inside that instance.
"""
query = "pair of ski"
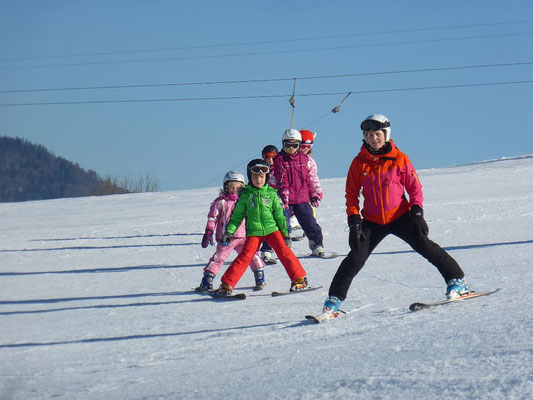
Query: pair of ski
(242, 296)
(413, 307)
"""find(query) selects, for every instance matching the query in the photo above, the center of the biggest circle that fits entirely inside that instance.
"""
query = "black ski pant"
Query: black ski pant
(375, 233)
(304, 215)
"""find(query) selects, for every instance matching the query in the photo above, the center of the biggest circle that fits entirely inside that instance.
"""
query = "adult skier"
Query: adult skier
(385, 175)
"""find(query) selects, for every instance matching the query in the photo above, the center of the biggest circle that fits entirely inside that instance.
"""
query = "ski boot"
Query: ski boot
(456, 288)
(295, 225)
(318, 251)
(267, 258)
(331, 305)
(207, 282)
(298, 284)
(224, 290)
(259, 280)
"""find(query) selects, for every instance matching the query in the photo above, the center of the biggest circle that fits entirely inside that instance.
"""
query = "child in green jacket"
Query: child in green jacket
(260, 204)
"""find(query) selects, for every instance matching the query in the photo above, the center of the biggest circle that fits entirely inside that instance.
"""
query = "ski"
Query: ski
(236, 296)
(318, 319)
(307, 289)
(471, 295)
(325, 256)
(270, 261)
(213, 294)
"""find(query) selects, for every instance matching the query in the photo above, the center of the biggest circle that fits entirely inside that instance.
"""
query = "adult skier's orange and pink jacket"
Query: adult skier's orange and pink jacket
(385, 179)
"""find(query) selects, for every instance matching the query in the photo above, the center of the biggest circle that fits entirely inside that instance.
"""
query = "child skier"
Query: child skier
(260, 204)
(269, 152)
(306, 147)
(296, 190)
(385, 174)
(218, 217)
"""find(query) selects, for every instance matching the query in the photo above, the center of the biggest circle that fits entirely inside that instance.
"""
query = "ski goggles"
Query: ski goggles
(260, 169)
(270, 154)
(373, 125)
(306, 146)
(288, 145)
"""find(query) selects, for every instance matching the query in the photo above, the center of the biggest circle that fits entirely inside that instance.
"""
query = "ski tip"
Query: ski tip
(417, 306)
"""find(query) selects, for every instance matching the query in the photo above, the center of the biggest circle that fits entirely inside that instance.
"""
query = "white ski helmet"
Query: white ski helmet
(233, 176)
(291, 134)
(375, 122)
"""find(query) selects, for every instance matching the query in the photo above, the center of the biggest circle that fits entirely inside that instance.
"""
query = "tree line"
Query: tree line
(30, 172)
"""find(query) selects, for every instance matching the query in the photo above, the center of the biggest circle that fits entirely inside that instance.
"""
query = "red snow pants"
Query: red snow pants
(251, 246)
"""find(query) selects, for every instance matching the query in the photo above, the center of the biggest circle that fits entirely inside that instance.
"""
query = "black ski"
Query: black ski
(214, 294)
(307, 289)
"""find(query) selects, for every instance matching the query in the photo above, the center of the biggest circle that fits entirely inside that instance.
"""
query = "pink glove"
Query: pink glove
(315, 198)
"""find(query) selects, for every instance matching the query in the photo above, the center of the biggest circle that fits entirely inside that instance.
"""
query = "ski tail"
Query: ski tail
(318, 319)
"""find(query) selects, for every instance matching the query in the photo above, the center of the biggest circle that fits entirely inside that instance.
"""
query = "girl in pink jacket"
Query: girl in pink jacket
(306, 147)
(217, 219)
(291, 170)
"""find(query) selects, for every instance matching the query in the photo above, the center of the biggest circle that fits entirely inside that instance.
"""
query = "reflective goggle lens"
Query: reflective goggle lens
(259, 169)
(372, 125)
(306, 146)
(291, 145)
(270, 154)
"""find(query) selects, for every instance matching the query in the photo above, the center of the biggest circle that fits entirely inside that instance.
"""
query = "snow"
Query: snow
(96, 302)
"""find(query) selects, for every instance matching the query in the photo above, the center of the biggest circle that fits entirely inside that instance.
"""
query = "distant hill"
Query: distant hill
(30, 172)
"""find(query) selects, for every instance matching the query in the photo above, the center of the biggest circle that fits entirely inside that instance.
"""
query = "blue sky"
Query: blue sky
(191, 143)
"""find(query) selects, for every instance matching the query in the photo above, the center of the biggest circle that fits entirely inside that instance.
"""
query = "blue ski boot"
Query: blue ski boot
(331, 305)
(455, 288)
(259, 279)
(207, 282)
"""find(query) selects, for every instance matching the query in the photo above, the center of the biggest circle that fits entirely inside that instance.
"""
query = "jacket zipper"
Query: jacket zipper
(381, 193)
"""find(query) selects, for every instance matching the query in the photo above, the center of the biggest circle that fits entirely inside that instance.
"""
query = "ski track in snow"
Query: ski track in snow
(96, 302)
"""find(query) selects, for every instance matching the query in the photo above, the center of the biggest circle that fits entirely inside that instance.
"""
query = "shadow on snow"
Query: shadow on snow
(116, 237)
(119, 246)
(135, 337)
(103, 270)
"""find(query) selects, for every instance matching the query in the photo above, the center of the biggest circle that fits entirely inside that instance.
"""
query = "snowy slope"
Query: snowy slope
(95, 302)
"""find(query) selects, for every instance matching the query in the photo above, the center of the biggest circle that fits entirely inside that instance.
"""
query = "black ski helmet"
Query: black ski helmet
(257, 162)
(268, 148)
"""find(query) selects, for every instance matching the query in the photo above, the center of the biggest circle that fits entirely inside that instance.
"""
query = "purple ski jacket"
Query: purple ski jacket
(292, 177)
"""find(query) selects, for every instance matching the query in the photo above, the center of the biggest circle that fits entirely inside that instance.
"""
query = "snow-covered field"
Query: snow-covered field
(96, 302)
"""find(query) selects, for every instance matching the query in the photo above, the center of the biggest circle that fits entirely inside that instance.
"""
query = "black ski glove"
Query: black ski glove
(225, 239)
(418, 222)
(207, 239)
(356, 231)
